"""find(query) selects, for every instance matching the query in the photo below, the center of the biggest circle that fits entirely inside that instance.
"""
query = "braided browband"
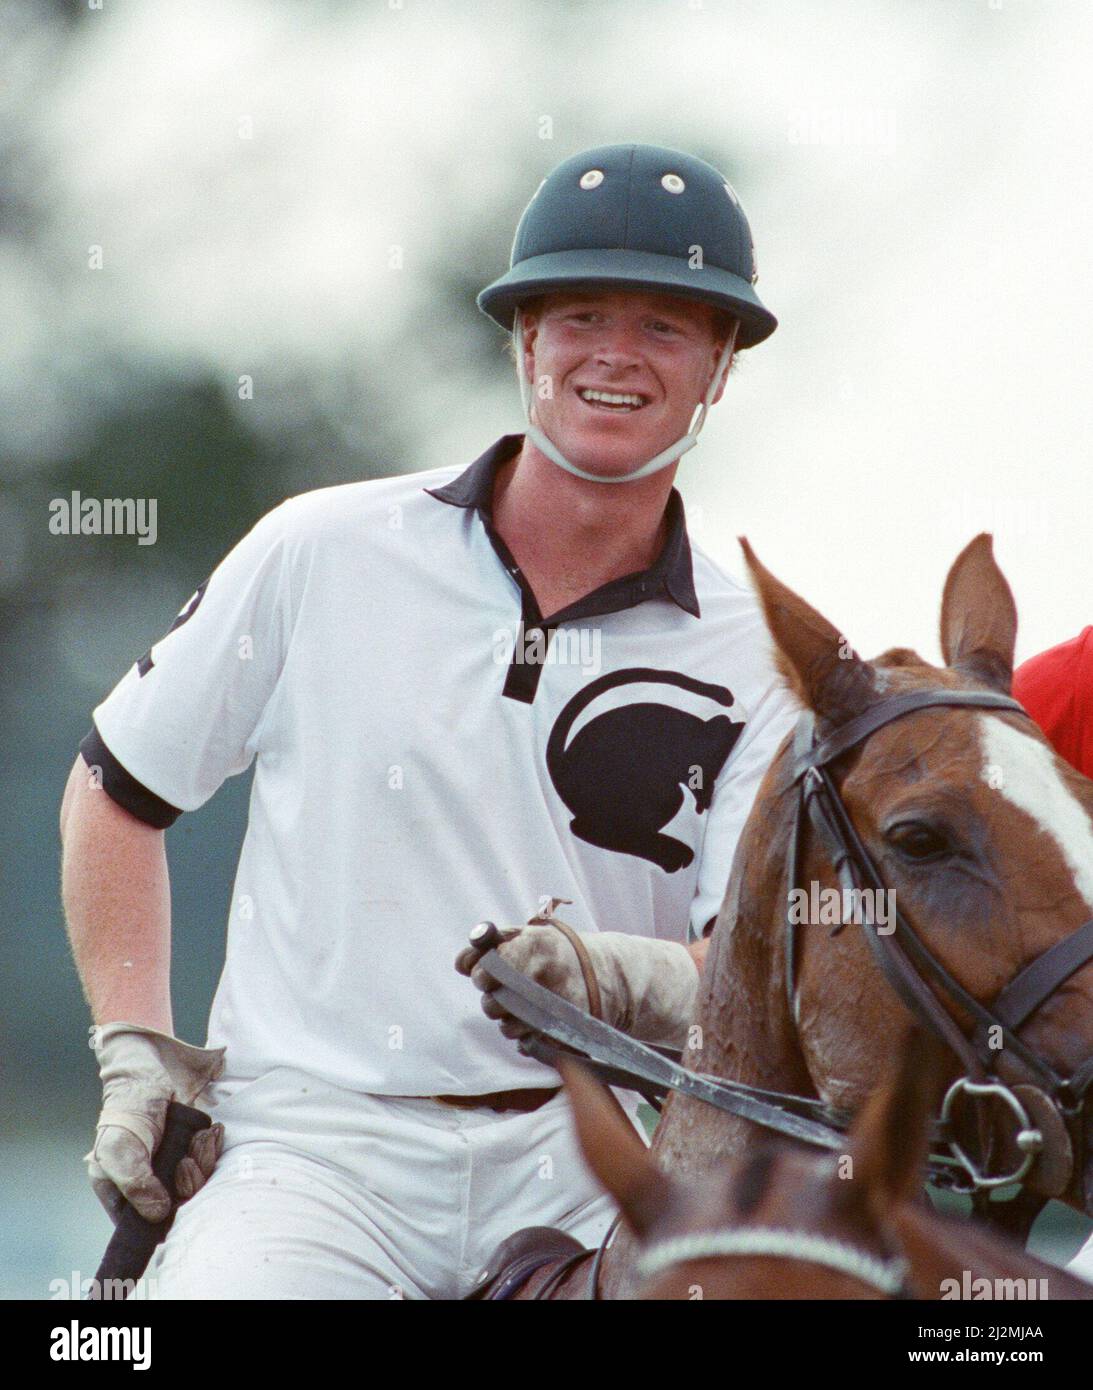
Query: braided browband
(886, 1276)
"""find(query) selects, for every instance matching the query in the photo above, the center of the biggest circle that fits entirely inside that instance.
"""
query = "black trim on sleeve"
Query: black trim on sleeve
(121, 786)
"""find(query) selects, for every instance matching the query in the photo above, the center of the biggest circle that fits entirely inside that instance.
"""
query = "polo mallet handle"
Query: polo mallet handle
(134, 1238)
(485, 936)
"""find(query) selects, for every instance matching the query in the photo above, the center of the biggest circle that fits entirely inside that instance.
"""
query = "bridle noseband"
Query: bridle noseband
(886, 1276)
(908, 965)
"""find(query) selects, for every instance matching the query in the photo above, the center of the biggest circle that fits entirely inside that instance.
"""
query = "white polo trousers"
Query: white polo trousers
(326, 1193)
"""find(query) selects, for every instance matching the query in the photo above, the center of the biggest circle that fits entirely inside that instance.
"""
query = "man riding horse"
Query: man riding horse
(1038, 1083)
(413, 773)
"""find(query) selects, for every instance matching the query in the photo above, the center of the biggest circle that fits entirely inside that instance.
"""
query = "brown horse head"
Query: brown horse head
(783, 1223)
(778, 1222)
(981, 834)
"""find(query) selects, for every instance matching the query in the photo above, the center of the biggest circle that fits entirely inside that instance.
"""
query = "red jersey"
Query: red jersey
(1056, 688)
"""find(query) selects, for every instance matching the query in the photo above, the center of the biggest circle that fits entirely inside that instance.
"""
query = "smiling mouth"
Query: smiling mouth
(615, 402)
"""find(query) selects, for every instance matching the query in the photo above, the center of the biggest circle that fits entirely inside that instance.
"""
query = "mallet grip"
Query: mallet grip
(485, 936)
(134, 1238)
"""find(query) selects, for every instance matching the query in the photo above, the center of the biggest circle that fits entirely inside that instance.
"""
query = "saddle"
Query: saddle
(520, 1256)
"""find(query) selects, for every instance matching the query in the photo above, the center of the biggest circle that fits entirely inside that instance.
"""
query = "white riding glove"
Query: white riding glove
(141, 1072)
(648, 988)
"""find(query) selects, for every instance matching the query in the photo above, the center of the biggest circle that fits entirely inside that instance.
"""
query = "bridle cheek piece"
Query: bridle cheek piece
(1051, 1103)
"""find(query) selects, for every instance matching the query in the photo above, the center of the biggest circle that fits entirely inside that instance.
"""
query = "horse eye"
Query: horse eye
(919, 841)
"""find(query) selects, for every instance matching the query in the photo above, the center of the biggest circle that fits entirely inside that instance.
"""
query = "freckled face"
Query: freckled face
(616, 376)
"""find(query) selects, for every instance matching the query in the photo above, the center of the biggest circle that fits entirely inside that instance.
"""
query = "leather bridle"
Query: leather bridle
(911, 969)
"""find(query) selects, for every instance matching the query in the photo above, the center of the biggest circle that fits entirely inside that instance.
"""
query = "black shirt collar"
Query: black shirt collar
(671, 572)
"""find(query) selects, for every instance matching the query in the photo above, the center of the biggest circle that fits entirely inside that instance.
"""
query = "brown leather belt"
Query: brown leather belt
(528, 1099)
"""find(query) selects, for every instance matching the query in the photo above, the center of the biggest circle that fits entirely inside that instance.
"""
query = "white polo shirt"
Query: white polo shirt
(427, 756)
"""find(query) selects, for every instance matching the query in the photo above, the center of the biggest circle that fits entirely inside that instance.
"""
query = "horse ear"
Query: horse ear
(890, 1138)
(979, 617)
(819, 664)
(613, 1151)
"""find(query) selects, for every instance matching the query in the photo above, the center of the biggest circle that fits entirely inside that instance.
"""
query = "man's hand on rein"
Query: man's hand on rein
(646, 987)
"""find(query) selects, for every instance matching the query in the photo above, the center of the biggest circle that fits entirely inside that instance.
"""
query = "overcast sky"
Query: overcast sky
(917, 176)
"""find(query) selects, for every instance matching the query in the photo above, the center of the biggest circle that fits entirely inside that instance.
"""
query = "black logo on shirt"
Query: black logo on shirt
(145, 664)
(623, 775)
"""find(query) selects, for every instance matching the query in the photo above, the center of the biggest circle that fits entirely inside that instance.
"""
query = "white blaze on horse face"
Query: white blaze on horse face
(1023, 770)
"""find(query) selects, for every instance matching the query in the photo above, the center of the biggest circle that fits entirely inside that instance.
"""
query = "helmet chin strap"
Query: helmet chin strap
(662, 460)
